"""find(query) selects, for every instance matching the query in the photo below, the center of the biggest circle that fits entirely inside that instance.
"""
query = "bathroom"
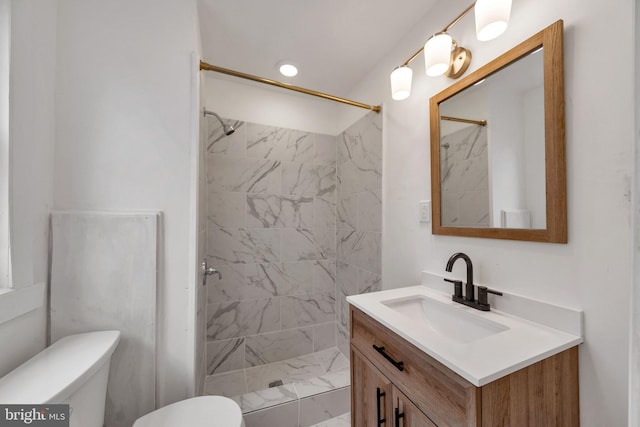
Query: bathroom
(104, 117)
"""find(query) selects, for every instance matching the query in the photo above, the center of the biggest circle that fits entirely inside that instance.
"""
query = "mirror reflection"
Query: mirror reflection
(492, 150)
(498, 149)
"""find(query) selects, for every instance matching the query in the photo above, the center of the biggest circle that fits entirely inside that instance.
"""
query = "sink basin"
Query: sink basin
(454, 323)
(480, 346)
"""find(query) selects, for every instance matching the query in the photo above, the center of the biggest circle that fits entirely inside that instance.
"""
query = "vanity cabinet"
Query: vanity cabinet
(407, 414)
(379, 402)
(372, 390)
(394, 381)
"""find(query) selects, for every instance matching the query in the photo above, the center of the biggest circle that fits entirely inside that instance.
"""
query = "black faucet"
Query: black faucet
(469, 299)
(470, 292)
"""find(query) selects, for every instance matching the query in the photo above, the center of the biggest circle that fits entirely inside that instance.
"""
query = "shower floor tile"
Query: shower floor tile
(288, 371)
(303, 377)
(322, 383)
(332, 360)
(341, 421)
(261, 399)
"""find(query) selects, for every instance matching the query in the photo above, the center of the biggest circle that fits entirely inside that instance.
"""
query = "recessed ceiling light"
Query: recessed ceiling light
(287, 69)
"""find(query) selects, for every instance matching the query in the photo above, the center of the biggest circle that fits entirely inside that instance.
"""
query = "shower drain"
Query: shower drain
(276, 383)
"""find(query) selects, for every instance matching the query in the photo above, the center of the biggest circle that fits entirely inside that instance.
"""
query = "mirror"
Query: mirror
(497, 147)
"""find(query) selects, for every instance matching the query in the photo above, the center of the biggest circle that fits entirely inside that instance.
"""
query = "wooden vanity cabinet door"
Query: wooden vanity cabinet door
(447, 398)
(369, 390)
(407, 413)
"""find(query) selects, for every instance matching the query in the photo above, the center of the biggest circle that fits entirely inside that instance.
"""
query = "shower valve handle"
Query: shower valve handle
(208, 271)
(211, 271)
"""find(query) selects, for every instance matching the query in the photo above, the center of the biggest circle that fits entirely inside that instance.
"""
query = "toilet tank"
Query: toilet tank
(74, 370)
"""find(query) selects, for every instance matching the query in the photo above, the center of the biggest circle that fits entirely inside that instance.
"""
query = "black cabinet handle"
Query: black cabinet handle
(398, 365)
(399, 416)
(380, 394)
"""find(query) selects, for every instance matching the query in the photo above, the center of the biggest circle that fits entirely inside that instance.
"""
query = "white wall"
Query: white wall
(5, 49)
(634, 376)
(124, 139)
(535, 187)
(506, 153)
(591, 272)
(33, 32)
(31, 137)
(247, 101)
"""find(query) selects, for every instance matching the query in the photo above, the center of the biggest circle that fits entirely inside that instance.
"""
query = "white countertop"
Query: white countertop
(480, 361)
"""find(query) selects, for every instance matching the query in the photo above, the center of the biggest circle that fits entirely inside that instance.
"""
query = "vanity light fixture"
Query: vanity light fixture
(437, 54)
(401, 83)
(492, 18)
(443, 55)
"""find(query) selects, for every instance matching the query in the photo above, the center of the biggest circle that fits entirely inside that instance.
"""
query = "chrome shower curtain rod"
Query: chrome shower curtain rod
(208, 67)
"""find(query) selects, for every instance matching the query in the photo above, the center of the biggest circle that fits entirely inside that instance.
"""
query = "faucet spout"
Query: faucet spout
(469, 288)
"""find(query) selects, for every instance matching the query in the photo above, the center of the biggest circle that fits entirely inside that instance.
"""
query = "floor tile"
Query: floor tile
(315, 388)
(341, 421)
(322, 383)
(332, 360)
(289, 371)
(324, 406)
(266, 398)
(278, 416)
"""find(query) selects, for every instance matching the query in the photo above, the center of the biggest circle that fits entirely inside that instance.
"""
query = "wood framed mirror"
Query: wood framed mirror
(498, 166)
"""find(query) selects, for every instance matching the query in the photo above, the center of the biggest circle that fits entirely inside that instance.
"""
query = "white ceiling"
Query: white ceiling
(334, 43)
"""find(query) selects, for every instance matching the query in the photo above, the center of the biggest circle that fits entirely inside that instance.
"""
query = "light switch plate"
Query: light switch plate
(424, 209)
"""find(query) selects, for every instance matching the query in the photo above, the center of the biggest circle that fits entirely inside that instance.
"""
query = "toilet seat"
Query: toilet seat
(203, 411)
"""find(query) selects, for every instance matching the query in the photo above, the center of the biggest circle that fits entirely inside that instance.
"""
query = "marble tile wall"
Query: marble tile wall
(465, 178)
(271, 232)
(201, 291)
(359, 217)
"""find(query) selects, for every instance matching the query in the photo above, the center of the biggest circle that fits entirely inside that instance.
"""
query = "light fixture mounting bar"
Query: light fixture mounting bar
(208, 67)
(459, 17)
(414, 56)
(444, 30)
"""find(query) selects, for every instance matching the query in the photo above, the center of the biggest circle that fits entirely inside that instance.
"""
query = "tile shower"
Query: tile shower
(359, 217)
(465, 178)
(293, 225)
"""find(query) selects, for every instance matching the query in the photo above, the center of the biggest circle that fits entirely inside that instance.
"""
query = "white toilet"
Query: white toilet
(204, 411)
(74, 370)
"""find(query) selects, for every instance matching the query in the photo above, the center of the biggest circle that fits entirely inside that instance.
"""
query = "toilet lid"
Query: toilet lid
(204, 411)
